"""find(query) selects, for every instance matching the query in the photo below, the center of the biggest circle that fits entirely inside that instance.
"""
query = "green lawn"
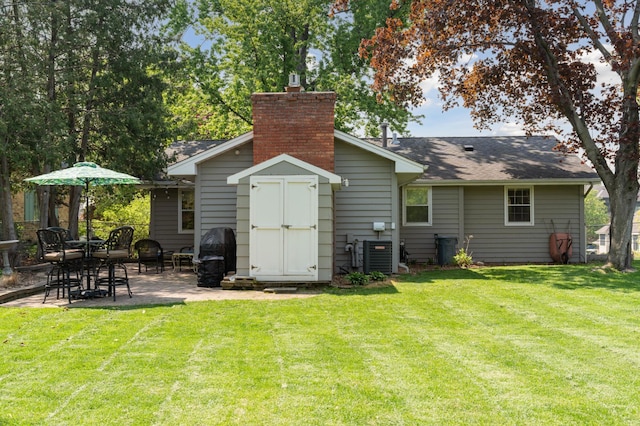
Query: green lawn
(505, 345)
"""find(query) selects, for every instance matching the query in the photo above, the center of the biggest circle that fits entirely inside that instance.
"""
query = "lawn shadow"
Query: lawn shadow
(567, 277)
(366, 290)
(435, 274)
(132, 307)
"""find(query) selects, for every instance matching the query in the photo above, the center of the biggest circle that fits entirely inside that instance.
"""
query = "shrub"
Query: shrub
(463, 258)
(357, 278)
(377, 276)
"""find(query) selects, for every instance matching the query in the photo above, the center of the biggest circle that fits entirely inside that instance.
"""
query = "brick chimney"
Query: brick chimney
(300, 124)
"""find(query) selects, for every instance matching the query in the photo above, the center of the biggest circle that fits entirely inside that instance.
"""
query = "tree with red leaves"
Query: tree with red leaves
(538, 62)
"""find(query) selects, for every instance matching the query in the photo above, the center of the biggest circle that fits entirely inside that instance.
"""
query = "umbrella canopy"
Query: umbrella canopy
(84, 174)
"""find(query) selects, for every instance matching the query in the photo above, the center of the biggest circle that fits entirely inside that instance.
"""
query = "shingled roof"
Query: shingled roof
(480, 159)
(181, 150)
(500, 158)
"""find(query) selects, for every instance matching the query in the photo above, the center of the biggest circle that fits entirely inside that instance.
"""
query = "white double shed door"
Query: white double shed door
(283, 235)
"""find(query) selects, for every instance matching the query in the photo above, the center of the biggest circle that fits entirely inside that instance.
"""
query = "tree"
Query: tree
(530, 60)
(82, 81)
(23, 101)
(596, 214)
(250, 46)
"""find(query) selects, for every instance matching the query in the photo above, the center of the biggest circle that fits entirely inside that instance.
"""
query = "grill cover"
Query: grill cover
(217, 256)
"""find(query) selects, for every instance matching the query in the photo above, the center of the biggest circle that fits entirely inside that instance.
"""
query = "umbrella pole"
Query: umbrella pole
(86, 212)
(87, 252)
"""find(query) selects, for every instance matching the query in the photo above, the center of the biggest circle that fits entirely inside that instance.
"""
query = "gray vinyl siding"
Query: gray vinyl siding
(325, 220)
(556, 208)
(446, 222)
(368, 198)
(164, 226)
(479, 211)
(216, 200)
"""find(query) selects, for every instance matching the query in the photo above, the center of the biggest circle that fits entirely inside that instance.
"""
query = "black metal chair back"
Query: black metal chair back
(64, 261)
(149, 252)
(115, 252)
(119, 239)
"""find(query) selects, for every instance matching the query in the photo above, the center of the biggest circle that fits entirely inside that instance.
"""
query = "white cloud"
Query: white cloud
(605, 74)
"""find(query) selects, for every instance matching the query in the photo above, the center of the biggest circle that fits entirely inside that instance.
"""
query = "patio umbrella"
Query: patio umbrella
(84, 174)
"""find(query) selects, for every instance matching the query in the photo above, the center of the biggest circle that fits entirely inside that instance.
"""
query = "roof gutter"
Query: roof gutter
(541, 182)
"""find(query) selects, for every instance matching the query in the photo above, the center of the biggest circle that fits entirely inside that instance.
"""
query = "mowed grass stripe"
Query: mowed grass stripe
(487, 349)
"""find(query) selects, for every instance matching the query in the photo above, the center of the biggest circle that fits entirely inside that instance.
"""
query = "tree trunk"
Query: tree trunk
(75, 194)
(622, 197)
(8, 226)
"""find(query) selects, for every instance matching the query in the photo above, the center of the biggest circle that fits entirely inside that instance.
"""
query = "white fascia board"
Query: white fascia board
(189, 166)
(402, 165)
(331, 177)
(538, 182)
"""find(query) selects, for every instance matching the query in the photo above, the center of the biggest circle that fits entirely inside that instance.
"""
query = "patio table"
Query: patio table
(175, 259)
(89, 246)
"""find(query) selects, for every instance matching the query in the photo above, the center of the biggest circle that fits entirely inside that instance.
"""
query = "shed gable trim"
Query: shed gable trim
(333, 179)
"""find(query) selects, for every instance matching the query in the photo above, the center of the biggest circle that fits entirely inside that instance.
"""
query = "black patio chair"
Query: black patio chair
(149, 253)
(64, 262)
(113, 254)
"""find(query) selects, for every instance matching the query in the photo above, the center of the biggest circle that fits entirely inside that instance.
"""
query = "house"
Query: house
(603, 243)
(307, 201)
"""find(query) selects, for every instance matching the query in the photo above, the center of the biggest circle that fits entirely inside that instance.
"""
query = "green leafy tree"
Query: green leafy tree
(85, 81)
(134, 212)
(531, 61)
(596, 215)
(252, 46)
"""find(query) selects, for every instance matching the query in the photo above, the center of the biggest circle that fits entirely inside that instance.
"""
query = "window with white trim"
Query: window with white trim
(518, 206)
(416, 205)
(186, 211)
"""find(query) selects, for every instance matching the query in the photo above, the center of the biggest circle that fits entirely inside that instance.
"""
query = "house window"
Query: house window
(31, 211)
(518, 209)
(416, 205)
(187, 212)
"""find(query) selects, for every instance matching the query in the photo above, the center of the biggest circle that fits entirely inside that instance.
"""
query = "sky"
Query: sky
(455, 122)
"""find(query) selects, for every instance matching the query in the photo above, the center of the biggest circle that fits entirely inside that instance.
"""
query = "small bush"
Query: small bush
(357, 278)
(377, 276)
(462, 258)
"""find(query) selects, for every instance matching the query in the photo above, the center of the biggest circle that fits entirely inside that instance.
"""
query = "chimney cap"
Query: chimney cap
(294, 80)
(294, 83)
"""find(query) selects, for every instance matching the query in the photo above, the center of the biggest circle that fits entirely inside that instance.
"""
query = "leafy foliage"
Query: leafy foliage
(252, 46)
(82, 81)
(134, 213)
(596, 214)
(462, 258)
(377, 276)
(357, 278)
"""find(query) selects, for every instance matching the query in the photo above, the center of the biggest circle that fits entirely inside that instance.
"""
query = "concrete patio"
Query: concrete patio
(149, 288)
